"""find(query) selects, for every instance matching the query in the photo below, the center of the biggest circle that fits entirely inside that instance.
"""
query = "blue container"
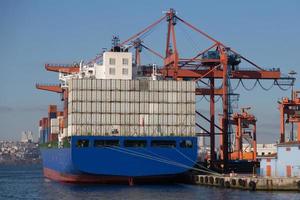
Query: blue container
(52, 115)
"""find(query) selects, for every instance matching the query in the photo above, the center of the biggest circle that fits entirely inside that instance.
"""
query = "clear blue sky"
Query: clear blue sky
(35, 32)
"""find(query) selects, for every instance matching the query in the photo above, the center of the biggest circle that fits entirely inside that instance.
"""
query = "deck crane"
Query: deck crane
(217, 62)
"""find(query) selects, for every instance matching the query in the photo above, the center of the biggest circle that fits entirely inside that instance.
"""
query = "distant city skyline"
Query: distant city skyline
(37, 32)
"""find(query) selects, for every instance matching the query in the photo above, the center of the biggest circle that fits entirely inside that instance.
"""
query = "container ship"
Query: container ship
(123, 121)
(119, 126)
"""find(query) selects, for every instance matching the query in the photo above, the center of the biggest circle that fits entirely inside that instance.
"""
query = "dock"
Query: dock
(247, 182)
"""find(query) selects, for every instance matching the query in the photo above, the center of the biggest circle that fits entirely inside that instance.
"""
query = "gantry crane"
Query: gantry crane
(217, 62)
(245, 131)
(290, 113)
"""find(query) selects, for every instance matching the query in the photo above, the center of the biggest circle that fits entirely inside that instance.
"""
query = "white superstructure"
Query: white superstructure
(116, 65)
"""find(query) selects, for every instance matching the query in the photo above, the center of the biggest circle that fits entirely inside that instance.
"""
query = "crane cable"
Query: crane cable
(237, 85)
(266, 89)
(200, 99)
(208, 100)
(284, 89)
(249, 89)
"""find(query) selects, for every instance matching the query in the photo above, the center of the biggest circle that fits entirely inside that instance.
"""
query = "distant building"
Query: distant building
(27, 136)
(266, 149)
(286, 163)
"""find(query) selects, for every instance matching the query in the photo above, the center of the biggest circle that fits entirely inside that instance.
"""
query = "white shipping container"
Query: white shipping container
(98, 84)
(88, 84)
(191, 86)
(157, 108)
(70, 96)
(151, 85)
(93, 119)
(128, 96)
(132, 119)
(183, 108)
(113, 84)
(127, 85)
(83, 118)
(122, 85)
(144, 96)
(106, 84)
(181, 120)
(123, 119)
(93, 130)
(118, 119)
(118, 84)
(156, 96)
(54, 130)
(54, 122)
(108, 96)
(94, 84)
(89, 107)
(163, 108)
(123, 96)
(143, 108)
(161, 97)
(144, 120)
(70, 83)
(88, 118)
(108, 119)
(127, 119)
(113, 96)
(160, 108)
(136, 119)
(78, 95)
(99, 119)
(118, 96)
(183, 86)
(132, 108)
(136, 95)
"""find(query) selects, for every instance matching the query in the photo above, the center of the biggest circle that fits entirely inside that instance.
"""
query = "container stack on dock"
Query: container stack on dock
(131, 107)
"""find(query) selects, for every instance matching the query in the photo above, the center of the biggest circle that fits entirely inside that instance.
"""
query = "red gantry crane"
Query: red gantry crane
(245, 131)
(216, 62)
(290, 113)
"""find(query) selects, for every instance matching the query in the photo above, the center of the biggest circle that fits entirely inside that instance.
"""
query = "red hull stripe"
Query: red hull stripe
(85, 178)
(57, 176)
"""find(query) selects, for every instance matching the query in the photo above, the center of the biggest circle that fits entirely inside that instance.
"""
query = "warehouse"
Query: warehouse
(285, 163)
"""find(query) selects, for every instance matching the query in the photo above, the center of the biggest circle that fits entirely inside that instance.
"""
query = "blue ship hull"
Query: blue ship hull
(117, 159)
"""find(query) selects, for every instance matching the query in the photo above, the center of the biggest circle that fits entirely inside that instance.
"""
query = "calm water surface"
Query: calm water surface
(27, 182)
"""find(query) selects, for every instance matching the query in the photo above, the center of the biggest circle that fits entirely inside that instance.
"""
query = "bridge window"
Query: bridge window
(135, 143)
(112, 61)
(125, 61)
(106, 143)
(125, 71)
(82, 143)
(112, 71)
(163, 143)
(186, 144)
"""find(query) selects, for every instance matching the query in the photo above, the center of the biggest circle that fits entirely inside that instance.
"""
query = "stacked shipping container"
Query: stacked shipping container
(51, 126)
(44, 130)
(131, 107)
